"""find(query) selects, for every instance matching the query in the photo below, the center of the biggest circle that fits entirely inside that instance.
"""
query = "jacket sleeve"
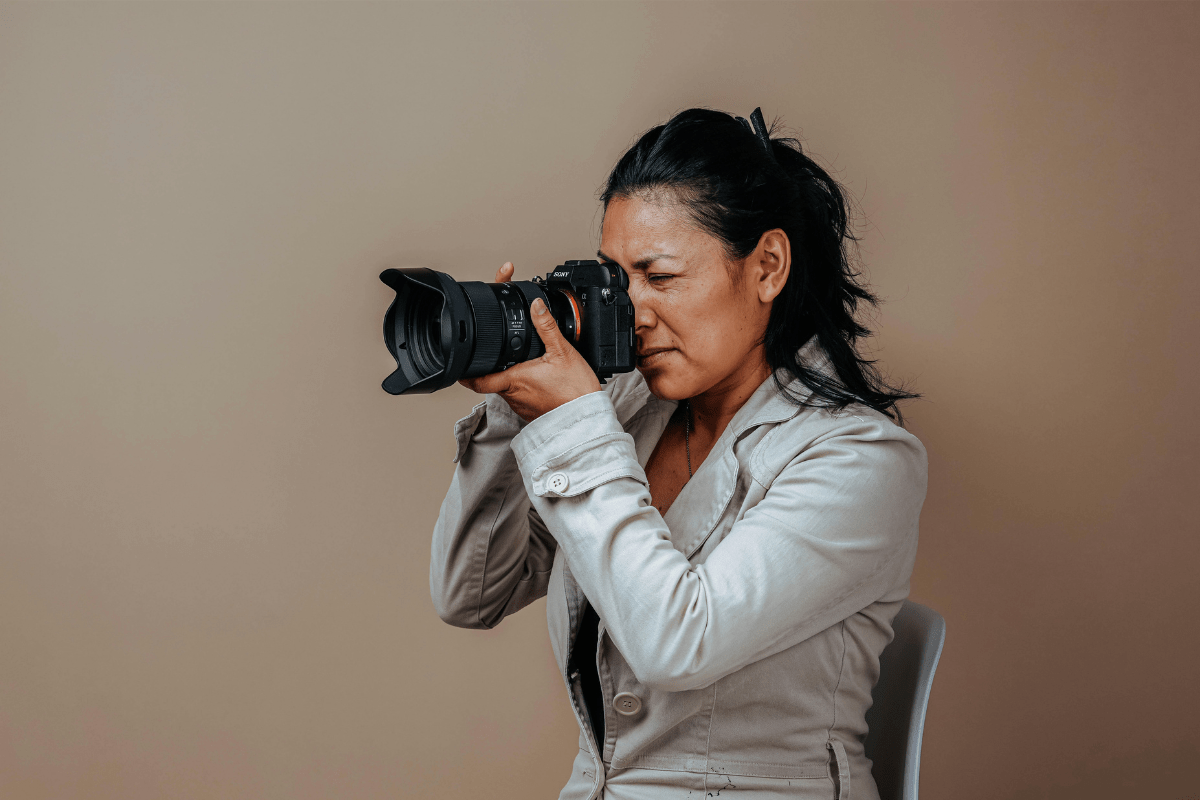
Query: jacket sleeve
(835, 531)
(491, 553)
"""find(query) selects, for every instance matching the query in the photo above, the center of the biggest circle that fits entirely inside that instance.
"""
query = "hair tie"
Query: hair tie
(758, 127)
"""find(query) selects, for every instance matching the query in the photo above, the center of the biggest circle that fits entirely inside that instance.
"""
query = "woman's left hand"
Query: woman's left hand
(534, 387)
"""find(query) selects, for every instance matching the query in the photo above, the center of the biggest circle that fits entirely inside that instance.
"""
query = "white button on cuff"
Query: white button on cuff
(627, 704)
(559, 482)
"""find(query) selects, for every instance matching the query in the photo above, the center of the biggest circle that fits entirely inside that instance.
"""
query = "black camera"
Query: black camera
(440, 330)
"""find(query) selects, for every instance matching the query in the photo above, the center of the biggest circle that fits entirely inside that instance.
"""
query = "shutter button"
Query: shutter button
(559, 482)
(627, 704)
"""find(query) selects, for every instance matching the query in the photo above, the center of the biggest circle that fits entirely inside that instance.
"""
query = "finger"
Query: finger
(505, 273)
(495, 383)
(547, 328)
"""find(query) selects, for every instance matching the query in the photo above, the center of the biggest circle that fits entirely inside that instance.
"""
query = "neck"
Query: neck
(711, 410)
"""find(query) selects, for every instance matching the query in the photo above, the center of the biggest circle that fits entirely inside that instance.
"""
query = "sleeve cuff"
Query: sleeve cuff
(492, 415)
(575, 448)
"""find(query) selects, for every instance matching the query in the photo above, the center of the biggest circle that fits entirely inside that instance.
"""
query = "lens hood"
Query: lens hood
(429, 330)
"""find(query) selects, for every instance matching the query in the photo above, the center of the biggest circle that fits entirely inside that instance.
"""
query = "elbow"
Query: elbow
(459, 616)
(451, 615)
(452, 609)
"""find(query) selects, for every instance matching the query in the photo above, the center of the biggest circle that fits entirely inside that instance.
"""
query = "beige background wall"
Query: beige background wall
(214, 525)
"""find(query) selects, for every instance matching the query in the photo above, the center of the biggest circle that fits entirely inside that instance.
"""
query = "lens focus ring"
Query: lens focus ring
(489, 328)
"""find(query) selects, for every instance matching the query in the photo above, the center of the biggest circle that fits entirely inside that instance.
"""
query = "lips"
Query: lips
(642, 355)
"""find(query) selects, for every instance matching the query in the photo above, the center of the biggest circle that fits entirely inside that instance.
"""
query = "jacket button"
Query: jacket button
(627, 704)
(559, 482)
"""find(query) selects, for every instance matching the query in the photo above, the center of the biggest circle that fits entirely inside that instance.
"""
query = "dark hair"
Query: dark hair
(735, 190)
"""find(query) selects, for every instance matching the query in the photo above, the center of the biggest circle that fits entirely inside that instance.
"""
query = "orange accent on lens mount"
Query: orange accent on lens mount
(575, 309)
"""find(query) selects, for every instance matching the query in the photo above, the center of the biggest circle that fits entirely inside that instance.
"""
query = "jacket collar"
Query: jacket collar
(766, 405)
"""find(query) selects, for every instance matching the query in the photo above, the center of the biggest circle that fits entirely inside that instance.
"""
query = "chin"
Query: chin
(662, 385)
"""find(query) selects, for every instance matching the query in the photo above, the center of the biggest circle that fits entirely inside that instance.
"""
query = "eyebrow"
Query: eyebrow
(641, 263)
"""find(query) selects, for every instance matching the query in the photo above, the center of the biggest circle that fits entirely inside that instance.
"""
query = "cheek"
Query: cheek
(711, 328)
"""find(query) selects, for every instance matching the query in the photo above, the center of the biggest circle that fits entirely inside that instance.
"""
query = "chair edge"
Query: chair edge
(916, 731)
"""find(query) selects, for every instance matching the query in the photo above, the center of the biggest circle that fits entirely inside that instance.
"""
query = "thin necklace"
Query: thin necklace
(687, 430)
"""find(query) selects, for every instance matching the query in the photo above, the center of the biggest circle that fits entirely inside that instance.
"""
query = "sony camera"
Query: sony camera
(441, 330)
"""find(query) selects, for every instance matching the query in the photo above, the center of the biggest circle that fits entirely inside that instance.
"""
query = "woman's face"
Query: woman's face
(698, 330)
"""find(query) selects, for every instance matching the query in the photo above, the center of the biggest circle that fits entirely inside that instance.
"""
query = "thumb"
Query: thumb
(547, 328)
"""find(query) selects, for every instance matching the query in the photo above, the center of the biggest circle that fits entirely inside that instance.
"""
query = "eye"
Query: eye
(659, 278)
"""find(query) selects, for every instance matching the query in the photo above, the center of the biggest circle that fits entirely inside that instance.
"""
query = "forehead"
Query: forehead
(633, 225)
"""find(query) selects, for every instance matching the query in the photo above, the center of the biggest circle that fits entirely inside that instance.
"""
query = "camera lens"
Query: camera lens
(440, 330)
(426, 337)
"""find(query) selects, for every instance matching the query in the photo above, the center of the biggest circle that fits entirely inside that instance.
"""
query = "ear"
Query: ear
(770, 264)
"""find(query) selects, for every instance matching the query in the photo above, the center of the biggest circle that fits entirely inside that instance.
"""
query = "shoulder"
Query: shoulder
(855, 441)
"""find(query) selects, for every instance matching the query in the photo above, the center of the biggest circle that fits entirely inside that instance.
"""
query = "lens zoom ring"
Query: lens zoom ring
(489, 328)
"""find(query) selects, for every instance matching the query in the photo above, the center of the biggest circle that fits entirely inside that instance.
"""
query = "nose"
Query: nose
(643, 310)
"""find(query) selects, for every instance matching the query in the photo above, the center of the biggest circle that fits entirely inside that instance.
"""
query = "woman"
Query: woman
(725, 534)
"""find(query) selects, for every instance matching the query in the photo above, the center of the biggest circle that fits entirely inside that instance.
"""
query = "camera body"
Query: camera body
(597, 304)
(440, 330)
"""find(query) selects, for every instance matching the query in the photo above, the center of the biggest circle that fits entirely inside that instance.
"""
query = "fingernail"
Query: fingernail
(539, 307)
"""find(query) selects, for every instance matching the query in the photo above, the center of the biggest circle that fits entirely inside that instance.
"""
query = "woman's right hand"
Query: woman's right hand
(503, 275)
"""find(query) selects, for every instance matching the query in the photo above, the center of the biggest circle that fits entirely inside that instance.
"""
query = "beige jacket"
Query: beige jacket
(740, 634)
